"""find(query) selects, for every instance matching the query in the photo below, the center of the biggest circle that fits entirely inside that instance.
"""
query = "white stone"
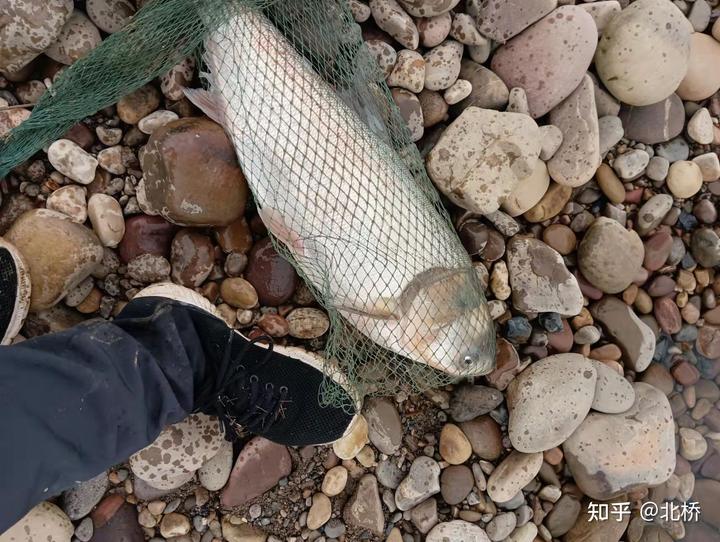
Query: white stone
(442, 65)
(107, 219)
(709, 165)
(700, 127)
(631, 165)
(72, 161)
(156, 119)
(69, 200)
(459, 90)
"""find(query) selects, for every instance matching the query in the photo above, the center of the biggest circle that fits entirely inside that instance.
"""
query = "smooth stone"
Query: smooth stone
(471, 163)
(707, 494)
(631, 164)
(500, 527)
(428, 8)
(28, 29)
(72, 161)
(110, 15)
(551, 204)
(307, 323)
(654, 123)
(12, 118)
(71, 201)
(464, 30)
(563, 515)
(549, 400)
(552, 138)
(709, 164)
(528, 192)
(609, 183)
(652, 213)
(459, 90)
(174, 524)
(273, 277)
(643, 52)
(526, 533)
(424, 516)
(702, 79)
(192, 258)
(470, 401)
(384, 425)
(45, 522)
(456, 531)
(565, 39)
(393, 19)
(485, 437)
(514, 472)
(383, 54)
(610, 454)
(456, 482)
(502, 20)
(240, 532)
(673, 150)
(560, 238)
(77, 38)
(488, 90)
(700, 127)
(335, 481)
(454, 446)
(180, 449)
(149, 268)
(578, 157)
(364, 508)
(320, 511)
(539, 279)
(157, 119)
(79, 500)
(610, 133)
(408, 72)
(434, 107)
(191, 174)
(602, 12)
(657, 250)
(259, 467)
(705, 247)
(586, 529)
(59, 253)
(107, 219)
(146, 235)
(684, 179)
(613, 394)
(442, 65)
(434, 30)
(609, 256)
(388, 473)
(352, 442)
(693, 445)
(422, 481)
(635, 339)
(657, 168)
(214, 473)
(410, 110)
(173, 83)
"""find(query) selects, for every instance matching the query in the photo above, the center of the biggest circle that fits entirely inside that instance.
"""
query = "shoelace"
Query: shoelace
(238, 398)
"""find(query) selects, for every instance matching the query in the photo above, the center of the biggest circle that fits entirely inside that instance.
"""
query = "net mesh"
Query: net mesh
(332, 168)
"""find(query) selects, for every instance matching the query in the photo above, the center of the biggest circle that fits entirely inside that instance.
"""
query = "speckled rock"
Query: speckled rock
(29, 27)
(454, 446)
(180, 449)
(434, 30)
(501, 20)
(613, 394)
(550, 58)
(488, 90)
(69, 200)
(442, 65)
(701, 80)
(192, 258)
(705, 247)
(428, 8)
(214, 473)
(411, 111)
(514, 472)
(78, 37)
(550, 205)
(80, 499)
(72, 161)
(539, 279)
(652, 212)
(384, 55)
(11, 118)
(631, 164)
(149, 268)
(482, 156)
(654, 123)
(465, 31)
(422, 481)
(610, 454)
(178, 78)
(44, 523)
(408, 72)
(610, 256)
(528, 192)
(107, 219)
(643, 52)
(456, 531)
(110, 15)
(60, 254)
(548, 400)
(391, 18)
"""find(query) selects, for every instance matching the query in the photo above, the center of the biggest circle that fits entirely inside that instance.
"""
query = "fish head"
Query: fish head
(449, 323)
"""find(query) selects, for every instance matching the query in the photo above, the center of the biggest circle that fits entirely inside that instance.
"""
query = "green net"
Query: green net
(331, 166)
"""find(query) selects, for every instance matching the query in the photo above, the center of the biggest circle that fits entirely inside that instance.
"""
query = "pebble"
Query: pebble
(705, 247)
(422, 481)
(434, 107)
(239, 293)
(60, 254)
(503, 20)
(500, 527)
(610, 133)
(540, 281)
(652, 213)
(72, 161)
(384, 54)
(578, 157)
(693, 445)
(563, 515)
(214, 473)
(560, 238)
(428, 8)
(79, 500)
(657, 168)
(709, 164)
(526, 533)
(307, 323)
(673, 150)
(602, 12)
(410, 110)
(191, 174)
(364, 508)
(613, 393)
(71, 201)
(107, 219)
(44, 522)
(551, 204)
(384, 425)
(240, 532)
(610, 184)
(110, 15)
(631, 164)
(599, 255)
(173, 83)
(654, 123)
(468, 402)
(612, 453)
(11, 118)
(434, 30)
(459, 90)
(319, 512)
(350, 445)
(77, 38)
(455, 447)
(552, 138)
(456, 482)
(456, 531)
(442, 65)
(388, 473)
(684, 179)
(391, 18)
(643, 52)
(700, 127)
(657, 250)
(528, 192)
(512, 474)
(110, 160)
(470, 164)
(485, 437)
(701, 81)
(84, 530)
(565, 37)
(34, 27)
(548, 400)
(259, 467)
(149, 268)
(156, 119)
(174, 524)
(192, 259)
(138, 104)
(335, 481)
(408, 72)
(180, 449)
(273, 277)
(146, 235)
(465, 31)
(585, 529)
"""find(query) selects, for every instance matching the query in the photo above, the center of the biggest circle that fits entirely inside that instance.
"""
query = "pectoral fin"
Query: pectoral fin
(207, 102)
(279, 228)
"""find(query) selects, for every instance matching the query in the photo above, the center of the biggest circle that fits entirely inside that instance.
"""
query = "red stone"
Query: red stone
(273, 276)
(259, 467)
(708, 342)
(685, 373)
(122, 527)
(507, 361)
(81, 134)
(657, 250)
(588, 289)
(107, 509)
(667, 315)
(146, 234)
(561, 341)
(634, 196)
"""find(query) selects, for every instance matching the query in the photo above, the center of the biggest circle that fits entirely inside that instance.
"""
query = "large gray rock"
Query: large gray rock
(654, 123)
(503, 19)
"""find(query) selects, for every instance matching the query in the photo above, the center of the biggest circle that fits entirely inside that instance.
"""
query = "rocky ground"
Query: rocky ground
(583, 176)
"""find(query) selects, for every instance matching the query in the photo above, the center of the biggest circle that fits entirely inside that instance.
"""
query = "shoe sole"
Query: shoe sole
(22, 294)
(191, 297)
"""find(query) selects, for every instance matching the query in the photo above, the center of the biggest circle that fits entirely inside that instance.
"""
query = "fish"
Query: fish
(342, 202)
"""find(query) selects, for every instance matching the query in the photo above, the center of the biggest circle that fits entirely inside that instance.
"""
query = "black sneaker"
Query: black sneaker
(265, 389)
(14, 292)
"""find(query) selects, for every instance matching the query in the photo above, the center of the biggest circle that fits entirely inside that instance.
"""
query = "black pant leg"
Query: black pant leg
(74, 403)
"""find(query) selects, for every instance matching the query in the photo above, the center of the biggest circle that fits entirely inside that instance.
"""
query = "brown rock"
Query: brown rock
(707, 494)
(506, 364)
(561, 341)
(59, 253)
(685, 373)
(551, 203)
(364, 509)
(667, 315)
(192, 258)
(561, 238)
(661, 286)
(122, 526)
(13, 206)
(488, 90)
(146, 235)
(259, 467)
(657, 250)
(138, 104)
(273, 277)
(235, 237)
(587, 530)
(106, 509)
(456, 482)
(434, 107)
(239, 293)
(708, 341)
(485, 437)
(658, 376)
(192, 177)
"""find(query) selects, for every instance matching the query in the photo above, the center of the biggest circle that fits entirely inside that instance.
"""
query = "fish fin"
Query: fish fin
(279, 228)
(206, 102)
(384, 308)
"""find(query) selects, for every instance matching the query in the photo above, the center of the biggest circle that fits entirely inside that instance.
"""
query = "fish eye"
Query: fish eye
(468, 360)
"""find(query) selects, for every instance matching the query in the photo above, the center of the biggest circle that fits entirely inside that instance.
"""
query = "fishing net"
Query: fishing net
(332, 168)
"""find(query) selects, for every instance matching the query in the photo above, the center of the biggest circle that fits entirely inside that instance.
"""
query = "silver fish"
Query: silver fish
(358, 225)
